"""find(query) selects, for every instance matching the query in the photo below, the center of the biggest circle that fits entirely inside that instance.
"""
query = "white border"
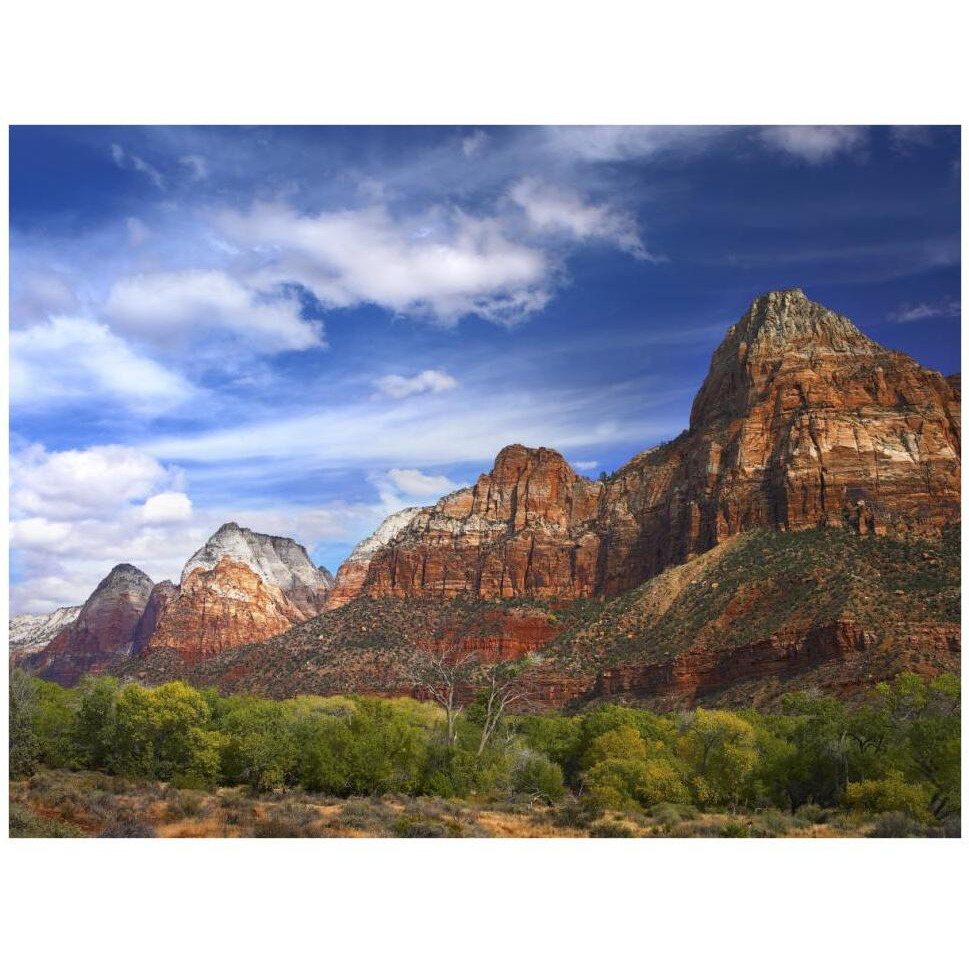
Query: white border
(789, 903)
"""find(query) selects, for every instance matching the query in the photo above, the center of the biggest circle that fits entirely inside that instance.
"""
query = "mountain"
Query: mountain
(763, 613)
(239, 587)
(102, 632)
(802, 531)
(802, 421)
(30, 634)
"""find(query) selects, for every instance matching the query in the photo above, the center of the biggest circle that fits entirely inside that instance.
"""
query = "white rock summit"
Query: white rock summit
(281, 562)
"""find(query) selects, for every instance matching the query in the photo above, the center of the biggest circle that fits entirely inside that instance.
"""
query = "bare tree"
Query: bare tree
(503, 687)
(440, 672)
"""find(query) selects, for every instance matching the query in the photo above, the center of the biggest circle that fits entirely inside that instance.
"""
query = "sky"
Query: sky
(305, 329)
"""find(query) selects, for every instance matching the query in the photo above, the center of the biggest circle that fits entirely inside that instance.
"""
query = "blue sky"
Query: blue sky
(304, 329)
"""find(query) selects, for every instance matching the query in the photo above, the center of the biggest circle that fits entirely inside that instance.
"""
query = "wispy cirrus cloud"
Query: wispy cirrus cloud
(919, 312)
(816, 144)
(127, 160)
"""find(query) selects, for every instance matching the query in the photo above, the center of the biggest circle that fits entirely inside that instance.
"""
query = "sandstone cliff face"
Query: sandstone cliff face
(221, 608)
(160, 596)
(523, 529)
(30, 634)
(280, 562)
(240, 587)
(103, 631)
(802, 421)
(352, 574)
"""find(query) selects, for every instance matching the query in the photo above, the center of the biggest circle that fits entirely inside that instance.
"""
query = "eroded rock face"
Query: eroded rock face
(802, 421)
(148, 623)
(352, 573)
(103, 631)
(241, 586)
(277, 561)
(29, 634)
(221, 608)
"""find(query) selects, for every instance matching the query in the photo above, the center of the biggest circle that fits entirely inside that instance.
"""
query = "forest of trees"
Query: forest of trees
(897, 751)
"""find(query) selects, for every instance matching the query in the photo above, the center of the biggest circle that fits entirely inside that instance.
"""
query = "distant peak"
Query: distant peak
(518, 456)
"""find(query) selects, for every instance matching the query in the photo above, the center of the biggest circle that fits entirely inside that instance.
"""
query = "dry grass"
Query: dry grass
(89, 804)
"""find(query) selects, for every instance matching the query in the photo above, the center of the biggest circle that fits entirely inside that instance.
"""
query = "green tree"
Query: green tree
(24, 744)
(720, 751)
(95, 729)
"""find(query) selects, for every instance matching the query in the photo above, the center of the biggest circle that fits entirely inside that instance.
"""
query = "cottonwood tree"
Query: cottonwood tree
(503, 687)
(440, 672)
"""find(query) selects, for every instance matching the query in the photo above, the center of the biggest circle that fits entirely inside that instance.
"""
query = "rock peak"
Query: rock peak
(515, 457)
(781, 327)
(786, 318)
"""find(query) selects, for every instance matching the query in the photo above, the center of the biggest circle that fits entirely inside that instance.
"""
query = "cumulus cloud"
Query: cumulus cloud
(445, 264)
(70, 358)
(585, 465)
(815, 144)
(426, 382)
(160, 306)
(169, 506)
(77, 513)
(37, 294)
(411, 482)
(126, 160)
(917, 312)
(560, 210)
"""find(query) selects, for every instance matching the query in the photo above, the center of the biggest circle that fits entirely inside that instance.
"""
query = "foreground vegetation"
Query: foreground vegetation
(121, 760)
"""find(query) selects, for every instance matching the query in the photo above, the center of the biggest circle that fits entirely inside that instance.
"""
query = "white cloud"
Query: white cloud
(585, 465)
(473, 143)
(127, 160)
(560, 210)
(169, 506)
(63, 485)
(418, 430)
(815, 144)
(197, 166)
(70, 358)
(445, 264)
(76, 514)
(619, 143)
(426, 382)
(411, 482)
(909, 313)
(163, 305)
(36, 294)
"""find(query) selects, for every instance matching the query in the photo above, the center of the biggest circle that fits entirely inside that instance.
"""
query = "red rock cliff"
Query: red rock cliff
(103, 631)
(802, 421)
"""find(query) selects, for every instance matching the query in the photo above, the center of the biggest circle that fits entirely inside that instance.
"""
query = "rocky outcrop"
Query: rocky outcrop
(220, 608)
(30, 634)
(279, 562)
(241, 586)
(523, 529)
(103, 631)
(352, 574)
(158, 601)
(802, 421)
